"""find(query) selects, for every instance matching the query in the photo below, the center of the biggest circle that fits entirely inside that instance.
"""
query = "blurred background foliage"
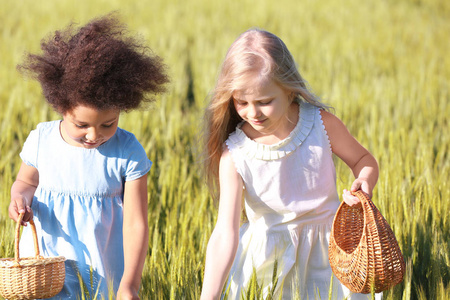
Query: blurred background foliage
(383, 65)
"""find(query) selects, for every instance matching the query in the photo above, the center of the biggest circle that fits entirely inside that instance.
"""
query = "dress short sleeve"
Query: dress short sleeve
(137, 163)
(30, 148)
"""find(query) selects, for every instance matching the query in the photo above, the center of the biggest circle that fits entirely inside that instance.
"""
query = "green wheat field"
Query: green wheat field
(383, 65)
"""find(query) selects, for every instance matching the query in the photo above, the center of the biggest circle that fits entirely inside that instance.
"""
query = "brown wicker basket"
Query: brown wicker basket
(32, 277)
(363, 251)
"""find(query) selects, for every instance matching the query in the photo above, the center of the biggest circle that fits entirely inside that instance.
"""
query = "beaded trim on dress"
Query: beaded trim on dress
(256, 150)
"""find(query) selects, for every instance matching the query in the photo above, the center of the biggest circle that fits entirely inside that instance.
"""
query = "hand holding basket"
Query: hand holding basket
(363, 251)
(32, 277)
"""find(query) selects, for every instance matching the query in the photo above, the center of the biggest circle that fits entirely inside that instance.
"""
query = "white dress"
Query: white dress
(290, 201)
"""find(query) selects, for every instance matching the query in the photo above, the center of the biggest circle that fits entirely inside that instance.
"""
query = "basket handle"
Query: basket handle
(17, 238)
(361, 196)
(366, 203)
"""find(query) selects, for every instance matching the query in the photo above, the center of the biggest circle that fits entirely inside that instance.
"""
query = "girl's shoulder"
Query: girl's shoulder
(125, 138)
(124, 134)
(45, 130)
(48, 126)
(124, 142)
(332, 124)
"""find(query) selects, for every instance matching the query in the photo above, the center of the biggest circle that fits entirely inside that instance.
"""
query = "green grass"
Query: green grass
(383, 65)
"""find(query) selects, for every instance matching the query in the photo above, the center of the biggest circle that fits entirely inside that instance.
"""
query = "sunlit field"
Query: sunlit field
(383, 65)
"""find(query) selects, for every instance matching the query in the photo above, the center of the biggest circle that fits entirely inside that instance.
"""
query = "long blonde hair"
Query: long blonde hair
(255, 50)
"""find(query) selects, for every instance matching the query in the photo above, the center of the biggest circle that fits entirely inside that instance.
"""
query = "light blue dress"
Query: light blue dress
(78, 205)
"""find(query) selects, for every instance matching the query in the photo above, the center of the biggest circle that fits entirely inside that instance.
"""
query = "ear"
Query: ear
(292, 96)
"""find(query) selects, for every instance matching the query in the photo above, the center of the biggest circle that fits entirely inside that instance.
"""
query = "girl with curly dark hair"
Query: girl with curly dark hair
(83, 178)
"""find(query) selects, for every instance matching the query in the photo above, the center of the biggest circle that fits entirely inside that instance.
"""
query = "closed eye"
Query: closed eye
(265, 102)
(240, 103)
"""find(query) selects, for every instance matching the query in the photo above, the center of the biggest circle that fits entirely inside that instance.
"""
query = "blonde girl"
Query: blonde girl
(270, 144)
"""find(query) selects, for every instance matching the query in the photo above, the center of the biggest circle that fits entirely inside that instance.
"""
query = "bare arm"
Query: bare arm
(135, 236)
(224, 240)
(22, 192)
(360, 161)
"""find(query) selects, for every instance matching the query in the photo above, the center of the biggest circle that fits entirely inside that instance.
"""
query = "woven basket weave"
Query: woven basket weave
(363, 251)
(32, 277)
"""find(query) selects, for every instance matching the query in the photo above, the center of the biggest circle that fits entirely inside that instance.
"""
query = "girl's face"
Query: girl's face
(88, 127)
(266, 107)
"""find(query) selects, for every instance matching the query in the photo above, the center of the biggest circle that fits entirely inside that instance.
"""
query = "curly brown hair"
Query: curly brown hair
(97, 66)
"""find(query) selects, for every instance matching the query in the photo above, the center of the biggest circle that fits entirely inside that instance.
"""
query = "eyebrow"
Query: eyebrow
(81, 122)
(256, 100)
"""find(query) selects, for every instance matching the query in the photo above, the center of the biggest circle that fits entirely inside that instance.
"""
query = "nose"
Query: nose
(253, 112)
(92, 134)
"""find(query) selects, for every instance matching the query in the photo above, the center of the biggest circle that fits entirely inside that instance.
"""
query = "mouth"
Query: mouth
(257, 122)
(90, 144)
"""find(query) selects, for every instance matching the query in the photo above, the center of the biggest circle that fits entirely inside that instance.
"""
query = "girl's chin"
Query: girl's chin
(90, 145)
